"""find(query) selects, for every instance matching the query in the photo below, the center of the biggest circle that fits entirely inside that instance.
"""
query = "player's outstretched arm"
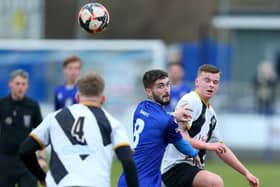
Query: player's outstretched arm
(229, 157)
(124, 154)
(198, 144)
(28, 157)
(185, 147)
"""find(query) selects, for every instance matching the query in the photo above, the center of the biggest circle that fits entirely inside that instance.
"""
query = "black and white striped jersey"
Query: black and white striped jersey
(82, 139)
(203, 126)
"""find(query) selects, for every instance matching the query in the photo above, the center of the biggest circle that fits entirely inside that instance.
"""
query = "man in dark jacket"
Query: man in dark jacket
(19, 114)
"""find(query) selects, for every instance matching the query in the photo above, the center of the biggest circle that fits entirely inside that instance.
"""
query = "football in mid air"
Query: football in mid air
(93, 17)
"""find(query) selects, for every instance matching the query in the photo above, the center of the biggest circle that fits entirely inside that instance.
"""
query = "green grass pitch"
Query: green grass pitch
(267, 173)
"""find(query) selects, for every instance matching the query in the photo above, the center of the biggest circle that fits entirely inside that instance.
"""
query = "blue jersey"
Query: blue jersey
(176, 93)
(153, 129)
(65, 96)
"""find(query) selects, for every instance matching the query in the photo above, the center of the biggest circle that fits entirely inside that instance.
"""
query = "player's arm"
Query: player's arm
(217, 146)
(185, 147)
(229, 158)
(172, 135)
(37, 120)
(27, 153)
(124, 154)
(42, 159)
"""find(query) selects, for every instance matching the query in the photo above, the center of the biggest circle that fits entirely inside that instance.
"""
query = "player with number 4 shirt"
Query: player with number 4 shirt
(82, 138)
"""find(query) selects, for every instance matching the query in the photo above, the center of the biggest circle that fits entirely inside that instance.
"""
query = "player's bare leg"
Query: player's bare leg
(205, 178)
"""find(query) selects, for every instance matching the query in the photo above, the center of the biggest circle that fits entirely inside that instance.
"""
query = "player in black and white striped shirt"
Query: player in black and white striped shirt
(82, 139)
(202, 132)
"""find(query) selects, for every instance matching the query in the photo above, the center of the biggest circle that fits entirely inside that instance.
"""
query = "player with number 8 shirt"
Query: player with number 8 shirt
(153, 129)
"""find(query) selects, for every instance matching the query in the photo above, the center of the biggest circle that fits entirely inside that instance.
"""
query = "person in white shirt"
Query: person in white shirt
(202, 132)
(82, 138)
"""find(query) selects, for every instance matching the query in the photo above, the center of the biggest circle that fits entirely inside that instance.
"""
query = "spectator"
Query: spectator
(265, 83)
(65, 93)
(178, 87)
(19, 114)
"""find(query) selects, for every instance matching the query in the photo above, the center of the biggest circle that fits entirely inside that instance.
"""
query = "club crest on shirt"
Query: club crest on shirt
(59, 96)
(213, 121)
(177, 130)
(8, 120)
(27, 120)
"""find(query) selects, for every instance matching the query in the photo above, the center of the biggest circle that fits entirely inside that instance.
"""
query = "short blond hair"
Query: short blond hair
(91, 84)
(208, 68)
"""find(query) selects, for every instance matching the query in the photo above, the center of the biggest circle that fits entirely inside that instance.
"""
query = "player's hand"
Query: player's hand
(182, 114)
(42, 163)
(196, 161)
(217, 147)
(43, 183)
(253, 180)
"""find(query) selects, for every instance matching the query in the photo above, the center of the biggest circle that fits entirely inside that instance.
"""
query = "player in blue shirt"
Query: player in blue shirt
(153, 129)
(65, 93)
(178, 87)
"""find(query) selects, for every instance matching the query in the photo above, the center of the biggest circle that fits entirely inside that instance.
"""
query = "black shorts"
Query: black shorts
(181, 175)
